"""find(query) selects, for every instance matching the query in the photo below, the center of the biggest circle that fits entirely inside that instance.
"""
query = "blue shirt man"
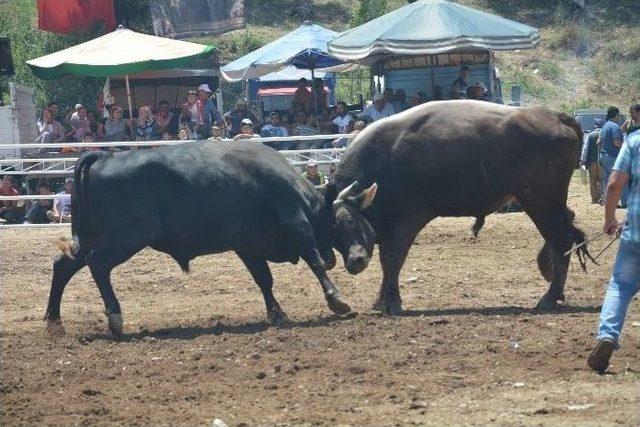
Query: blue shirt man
(610, 137)
(625, 279)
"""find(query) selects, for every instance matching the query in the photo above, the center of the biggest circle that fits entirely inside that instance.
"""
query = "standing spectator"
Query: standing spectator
(610, 142)
(165, 119)
(37, 213)
(79, 123)
(589, 159)
(143, 126)
(208, 114)
(343, 118)
(633, 123)
(115, 127)
(400, 101)
(61, 211)
(49, 130)
(318, 99)
(378, 110)
(9, 210)
(625, 279)
(460, 84)
(189, 114)
(55, 111)
(246, 130)
(313, 174)
(233, 118)
(301, 97)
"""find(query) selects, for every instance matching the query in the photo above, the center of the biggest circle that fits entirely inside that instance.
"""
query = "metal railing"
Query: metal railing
(42, 166)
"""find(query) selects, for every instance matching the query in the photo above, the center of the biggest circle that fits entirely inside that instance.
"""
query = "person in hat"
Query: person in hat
(79, 123)
(313, 174)
(208, 114)
(589, 160)
(246, 130)
(233, 118)
(61, 211)
(379, 109)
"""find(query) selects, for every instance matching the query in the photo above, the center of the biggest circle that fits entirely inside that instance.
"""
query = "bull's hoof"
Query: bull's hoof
(55, 328)
(337, 304)
(277, 317)
(378, 305)
(547, 303)
(115, 323)
(392, 308)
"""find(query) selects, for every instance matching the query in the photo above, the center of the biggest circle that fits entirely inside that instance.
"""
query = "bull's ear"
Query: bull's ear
(365, 198)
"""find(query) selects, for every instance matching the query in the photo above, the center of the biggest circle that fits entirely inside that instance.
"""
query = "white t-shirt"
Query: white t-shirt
(375, 115)
(343, 123)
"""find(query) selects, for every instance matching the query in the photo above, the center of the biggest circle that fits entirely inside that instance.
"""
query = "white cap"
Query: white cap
(247, 122)
(205, 87)
(312, 163)
(378, 96)
(79, 106)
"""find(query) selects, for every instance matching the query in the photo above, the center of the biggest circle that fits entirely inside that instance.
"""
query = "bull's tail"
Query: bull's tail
(79, 196)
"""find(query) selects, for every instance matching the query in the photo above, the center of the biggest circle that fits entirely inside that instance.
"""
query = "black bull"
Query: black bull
(190, 200)
(459, 158)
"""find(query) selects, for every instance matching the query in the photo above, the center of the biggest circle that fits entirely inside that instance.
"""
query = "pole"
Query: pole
(314, 93)
(126, 79)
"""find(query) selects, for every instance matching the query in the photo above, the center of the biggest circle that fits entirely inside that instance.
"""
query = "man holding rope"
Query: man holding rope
(625, 279)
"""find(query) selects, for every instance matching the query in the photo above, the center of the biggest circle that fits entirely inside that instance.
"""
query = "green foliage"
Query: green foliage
(366, 10)
(352, 84)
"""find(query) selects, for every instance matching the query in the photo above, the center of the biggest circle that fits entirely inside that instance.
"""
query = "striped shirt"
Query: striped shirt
(628, 161)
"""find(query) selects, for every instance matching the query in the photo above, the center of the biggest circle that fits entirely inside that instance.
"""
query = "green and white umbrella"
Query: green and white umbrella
(429, 27)
(121, 52)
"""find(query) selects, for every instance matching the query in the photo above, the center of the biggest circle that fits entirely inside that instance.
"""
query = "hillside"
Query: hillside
(587, 58)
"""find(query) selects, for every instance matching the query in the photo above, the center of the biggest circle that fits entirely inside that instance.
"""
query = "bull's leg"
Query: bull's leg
(554, 223)
(393, 253)
(63, 270)
(261, 273)
(101, 261)
(477, 226)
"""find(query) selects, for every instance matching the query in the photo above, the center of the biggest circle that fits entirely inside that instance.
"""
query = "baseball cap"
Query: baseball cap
(79, 106)
(247, 122)
(205, 87)
(68, 180)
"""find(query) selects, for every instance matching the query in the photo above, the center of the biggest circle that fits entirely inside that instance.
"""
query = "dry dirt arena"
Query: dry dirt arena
(469, 349)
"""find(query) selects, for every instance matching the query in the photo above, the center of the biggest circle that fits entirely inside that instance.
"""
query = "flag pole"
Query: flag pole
(126, 79)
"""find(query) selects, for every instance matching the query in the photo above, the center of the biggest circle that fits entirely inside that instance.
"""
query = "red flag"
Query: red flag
(66, 16)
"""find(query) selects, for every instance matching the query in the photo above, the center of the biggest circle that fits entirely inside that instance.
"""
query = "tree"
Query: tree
(366, 10)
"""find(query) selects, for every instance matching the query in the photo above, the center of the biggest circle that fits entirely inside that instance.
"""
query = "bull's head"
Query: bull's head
(354, 237)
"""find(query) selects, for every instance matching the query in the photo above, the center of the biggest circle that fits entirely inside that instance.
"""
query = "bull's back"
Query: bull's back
(459, 157)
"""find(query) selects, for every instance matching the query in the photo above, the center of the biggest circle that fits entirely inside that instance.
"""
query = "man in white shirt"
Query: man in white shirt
(343, 119)
(379, 109)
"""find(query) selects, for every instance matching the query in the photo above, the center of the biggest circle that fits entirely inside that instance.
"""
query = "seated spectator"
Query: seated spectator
(275, 129)
(343, 119)
(400, 101)
(184, 134)
(378, 110)
(288, 123)
(346, 140)
(115, 127)
(49, 130)
(301, 97)
(460, 84)
(189, 114)
(246, 130)
(93, 122)
(216, 133)
(457, 92)
(233, 118)
(307, 127)
(9, 210)
(313, 174)
(143, 126)
(61, 211)
(37, 213)
(387, 96)
(325, 122)
(79, 123)
(54, 107)
(478, 92)
(166, 121)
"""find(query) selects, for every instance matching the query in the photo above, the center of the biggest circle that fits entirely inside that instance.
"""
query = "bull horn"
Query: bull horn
(369, 195)
(347, 191)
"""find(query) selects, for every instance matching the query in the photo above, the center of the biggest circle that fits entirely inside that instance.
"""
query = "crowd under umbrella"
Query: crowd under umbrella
(120, 52)
(304, 48)
(428, 27)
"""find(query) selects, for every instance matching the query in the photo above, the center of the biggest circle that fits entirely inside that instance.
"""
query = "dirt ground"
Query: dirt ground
(469, 350)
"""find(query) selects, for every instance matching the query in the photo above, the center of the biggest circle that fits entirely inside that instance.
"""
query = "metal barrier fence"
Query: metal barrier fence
(53, 167)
